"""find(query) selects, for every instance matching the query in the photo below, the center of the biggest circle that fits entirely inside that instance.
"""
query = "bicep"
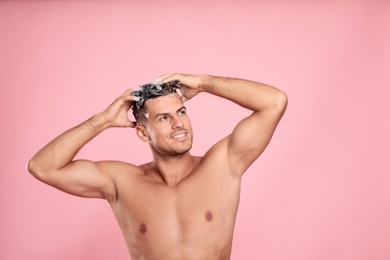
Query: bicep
(250, 138)
(84, 179)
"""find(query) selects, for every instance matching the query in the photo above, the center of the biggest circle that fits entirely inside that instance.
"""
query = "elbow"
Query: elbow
(281, 102)
(34, 169)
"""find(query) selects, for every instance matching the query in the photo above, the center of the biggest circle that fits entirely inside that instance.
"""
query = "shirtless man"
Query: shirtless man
(178, 206)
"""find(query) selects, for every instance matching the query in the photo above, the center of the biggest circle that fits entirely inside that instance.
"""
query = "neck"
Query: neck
(173, 169)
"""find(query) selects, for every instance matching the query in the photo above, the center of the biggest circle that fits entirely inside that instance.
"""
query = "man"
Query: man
(178, 206)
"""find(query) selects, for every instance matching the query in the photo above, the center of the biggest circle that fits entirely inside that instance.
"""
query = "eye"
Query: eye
(163, 118)
(182, 112)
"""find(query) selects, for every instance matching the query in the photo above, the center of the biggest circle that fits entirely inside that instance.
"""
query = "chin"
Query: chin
(182, 150)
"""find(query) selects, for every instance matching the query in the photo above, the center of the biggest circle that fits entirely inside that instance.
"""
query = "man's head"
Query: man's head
(148, 92)
(162, 119)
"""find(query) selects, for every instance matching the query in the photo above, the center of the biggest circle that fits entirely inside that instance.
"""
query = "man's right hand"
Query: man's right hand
(116, 115)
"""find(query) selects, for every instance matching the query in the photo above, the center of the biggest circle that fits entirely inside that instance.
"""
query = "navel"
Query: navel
(143, 228)
(208, 216)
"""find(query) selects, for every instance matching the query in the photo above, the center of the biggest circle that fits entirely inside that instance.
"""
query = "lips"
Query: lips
(179, 135)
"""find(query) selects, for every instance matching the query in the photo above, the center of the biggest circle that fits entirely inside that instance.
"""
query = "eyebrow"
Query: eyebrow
(165, 114)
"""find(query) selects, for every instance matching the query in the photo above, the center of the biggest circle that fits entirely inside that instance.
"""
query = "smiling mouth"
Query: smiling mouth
(179, 136)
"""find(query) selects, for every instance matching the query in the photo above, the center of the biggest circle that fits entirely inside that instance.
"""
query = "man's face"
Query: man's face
(167, 125)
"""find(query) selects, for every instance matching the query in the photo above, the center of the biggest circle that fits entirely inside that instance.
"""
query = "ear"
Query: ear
(141, 132)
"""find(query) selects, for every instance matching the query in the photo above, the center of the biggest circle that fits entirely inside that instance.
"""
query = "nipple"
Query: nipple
(208, 216)
(143, 228)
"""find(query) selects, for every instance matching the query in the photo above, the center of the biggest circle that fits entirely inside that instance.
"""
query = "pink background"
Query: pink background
(320, 191)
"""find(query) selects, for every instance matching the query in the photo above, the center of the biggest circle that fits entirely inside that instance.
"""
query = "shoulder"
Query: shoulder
(218, 150)
(123, 175)
(217, 155)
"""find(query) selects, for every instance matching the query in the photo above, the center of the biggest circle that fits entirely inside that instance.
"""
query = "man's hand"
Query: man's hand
(190, 85)
(116, 114)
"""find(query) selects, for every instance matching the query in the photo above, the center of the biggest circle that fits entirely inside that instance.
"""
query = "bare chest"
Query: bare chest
(200, 209)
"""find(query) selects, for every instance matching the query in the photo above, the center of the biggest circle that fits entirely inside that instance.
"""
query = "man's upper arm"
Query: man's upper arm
(83, 178)
(250, 138)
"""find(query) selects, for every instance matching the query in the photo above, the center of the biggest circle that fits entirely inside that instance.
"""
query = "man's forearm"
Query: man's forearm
(249, 94)
(61, 151)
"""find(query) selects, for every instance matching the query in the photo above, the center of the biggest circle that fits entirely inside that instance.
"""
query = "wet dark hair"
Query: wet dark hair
(151, 91)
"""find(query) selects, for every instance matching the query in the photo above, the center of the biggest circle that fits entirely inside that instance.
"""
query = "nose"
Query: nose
(178, 123)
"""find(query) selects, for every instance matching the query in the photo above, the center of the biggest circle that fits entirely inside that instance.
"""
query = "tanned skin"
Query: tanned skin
(178, 206)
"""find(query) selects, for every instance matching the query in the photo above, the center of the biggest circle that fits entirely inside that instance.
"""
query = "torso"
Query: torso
(193, 220)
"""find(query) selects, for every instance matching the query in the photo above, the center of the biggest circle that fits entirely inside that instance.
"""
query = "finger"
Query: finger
(163, 78)
(128, 92)
(128, 97)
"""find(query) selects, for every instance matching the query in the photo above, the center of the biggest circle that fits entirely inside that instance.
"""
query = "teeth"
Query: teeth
(179, 136)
